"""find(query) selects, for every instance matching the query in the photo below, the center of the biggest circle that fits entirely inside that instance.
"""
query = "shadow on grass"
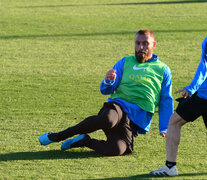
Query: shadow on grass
(41, 155)
(147, 176)
(94, 34)
(118, 4)
(163, 2)
(65, 35)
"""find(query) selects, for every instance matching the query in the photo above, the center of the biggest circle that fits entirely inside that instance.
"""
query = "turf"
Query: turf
(53, 57)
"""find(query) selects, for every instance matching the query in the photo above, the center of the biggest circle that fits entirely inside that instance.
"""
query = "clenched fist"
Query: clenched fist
(111, 74)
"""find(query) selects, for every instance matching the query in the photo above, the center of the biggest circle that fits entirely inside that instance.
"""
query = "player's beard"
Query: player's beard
(142, 56)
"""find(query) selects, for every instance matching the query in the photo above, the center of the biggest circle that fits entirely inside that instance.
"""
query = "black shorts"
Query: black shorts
(191, 108)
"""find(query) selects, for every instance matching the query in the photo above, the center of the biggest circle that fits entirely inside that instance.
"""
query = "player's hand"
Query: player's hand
(111, 74)
(185, 93)
(163, 134)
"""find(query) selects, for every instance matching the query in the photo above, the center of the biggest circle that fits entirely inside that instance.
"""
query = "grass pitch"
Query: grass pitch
(53, 57)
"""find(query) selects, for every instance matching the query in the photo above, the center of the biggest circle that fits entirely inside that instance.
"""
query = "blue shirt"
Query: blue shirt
(139, 116)
(199, 82)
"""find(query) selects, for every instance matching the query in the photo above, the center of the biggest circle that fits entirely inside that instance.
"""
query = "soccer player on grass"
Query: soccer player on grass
(137, 84)
(191, 106)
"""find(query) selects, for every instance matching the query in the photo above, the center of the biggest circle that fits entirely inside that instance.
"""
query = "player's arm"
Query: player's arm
(200, 75)
(112, 78)
(166, 102)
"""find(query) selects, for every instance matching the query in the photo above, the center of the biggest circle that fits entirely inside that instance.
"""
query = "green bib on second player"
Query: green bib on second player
(141, 83)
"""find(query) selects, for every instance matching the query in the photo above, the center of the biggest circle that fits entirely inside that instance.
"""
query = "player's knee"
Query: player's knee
(176, 120)
(117, 149)
(110, 120)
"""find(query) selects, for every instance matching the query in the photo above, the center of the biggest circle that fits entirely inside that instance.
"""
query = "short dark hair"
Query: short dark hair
(145, 32)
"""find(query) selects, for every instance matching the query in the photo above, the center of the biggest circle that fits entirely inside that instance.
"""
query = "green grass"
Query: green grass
(53, 57)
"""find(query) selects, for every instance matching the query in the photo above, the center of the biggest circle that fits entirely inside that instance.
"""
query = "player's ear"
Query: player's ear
(154, 44)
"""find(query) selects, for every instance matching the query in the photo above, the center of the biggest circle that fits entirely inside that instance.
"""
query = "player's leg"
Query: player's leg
(119, 140)
(173, 136)
(109, 148)
(107, 118)
(172, 142)
(114, 147)
(187, 110)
